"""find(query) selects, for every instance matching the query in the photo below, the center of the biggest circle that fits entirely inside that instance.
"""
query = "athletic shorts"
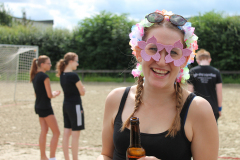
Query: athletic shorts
(44, 112)
(73, 116)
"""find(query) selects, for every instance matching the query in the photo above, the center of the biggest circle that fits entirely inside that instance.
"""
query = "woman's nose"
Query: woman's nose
(162, 61)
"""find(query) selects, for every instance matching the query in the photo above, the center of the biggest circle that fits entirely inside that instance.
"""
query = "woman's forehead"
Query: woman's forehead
(166, 36)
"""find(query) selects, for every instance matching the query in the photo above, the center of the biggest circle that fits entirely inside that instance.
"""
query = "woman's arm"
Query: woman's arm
(50, 94)
(80, 88)
(205, 138)
(111, 108)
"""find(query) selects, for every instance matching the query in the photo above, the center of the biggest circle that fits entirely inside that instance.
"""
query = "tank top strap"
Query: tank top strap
(122, 103)
(185, 108)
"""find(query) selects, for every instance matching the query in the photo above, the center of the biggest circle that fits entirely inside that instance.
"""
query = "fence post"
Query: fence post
(124, 77)
(83, 76)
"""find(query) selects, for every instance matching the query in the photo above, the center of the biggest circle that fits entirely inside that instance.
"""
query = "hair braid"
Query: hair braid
(176, 125)
(138, 101)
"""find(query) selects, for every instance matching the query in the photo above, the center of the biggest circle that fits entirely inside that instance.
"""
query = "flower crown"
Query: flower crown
(189, 37)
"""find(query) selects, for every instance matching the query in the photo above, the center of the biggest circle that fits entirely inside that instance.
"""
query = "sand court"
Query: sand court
(19, 126)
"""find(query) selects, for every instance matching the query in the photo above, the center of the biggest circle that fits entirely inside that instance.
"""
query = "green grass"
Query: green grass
(234, 78)
(96, 78)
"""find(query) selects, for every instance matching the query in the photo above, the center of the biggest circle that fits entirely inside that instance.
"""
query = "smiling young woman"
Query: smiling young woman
(175, 124)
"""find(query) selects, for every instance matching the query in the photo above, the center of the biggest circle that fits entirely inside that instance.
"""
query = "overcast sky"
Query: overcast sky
(67, 13)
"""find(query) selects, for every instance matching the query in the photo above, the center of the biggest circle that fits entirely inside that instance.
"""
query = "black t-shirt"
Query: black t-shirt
(204, 80)
(42, 100)
(68, 82)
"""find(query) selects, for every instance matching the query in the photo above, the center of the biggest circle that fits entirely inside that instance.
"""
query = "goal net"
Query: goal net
(15, 64)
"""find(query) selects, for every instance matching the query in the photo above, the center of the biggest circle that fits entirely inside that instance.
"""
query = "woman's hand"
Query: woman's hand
(56, 93)
(148, 158)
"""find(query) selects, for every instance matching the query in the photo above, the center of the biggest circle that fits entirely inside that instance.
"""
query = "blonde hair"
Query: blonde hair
(62, 63)
(176, 124)
(35, 64)
(202, 54)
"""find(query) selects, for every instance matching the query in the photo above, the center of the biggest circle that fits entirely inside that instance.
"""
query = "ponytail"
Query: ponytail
(62, 63)
(35, 64)
(33, 70)
(60, 66)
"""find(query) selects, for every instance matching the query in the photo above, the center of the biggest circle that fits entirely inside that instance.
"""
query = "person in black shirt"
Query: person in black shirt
(72, 105)
(206, 81)
(175, 124)
(43, 107)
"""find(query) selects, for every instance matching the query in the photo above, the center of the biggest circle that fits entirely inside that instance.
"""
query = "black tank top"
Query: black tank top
(164, 148)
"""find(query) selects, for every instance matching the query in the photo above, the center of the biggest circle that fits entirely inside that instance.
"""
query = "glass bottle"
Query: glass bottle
(135, 150)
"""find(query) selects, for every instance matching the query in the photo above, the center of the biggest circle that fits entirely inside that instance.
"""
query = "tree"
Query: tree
(102, 42)
(5, 17)
(220, 35)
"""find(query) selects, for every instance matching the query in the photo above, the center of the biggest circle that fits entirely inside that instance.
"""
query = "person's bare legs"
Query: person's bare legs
(52, 123)
(75, 143)
(42, 138)
(66, 134)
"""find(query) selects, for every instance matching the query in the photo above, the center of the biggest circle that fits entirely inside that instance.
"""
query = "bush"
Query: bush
(220, 35)
(103, 41)
(53, 43)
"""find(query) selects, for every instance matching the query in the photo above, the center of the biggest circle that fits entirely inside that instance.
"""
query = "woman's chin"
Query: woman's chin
(157, 83)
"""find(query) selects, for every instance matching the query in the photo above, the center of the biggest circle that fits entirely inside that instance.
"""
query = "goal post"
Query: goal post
(15, 64)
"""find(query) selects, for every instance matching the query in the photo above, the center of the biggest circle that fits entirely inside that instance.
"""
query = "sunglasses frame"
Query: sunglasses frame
(170, 16)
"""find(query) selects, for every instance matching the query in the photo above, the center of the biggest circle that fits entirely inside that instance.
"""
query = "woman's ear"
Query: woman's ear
(138, 54)
(185, 63)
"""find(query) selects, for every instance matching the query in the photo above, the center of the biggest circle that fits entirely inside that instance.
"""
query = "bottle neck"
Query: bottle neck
(135, 140)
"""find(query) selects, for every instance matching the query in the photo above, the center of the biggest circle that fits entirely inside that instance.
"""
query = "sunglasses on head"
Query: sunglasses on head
(158, 17)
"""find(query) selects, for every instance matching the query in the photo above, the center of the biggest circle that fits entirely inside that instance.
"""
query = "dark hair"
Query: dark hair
(35, 64)
(62, 63)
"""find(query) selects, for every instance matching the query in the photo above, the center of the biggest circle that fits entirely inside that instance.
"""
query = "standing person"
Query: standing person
(43, 107)
(72, 105)
(206, 81)
(174, 123)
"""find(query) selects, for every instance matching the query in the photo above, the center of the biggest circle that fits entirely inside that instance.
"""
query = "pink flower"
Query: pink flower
(161, 12)
(134, 53)
(141, 29)
(195, 45)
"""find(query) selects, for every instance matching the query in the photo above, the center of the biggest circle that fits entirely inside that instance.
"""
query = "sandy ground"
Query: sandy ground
(19, 126)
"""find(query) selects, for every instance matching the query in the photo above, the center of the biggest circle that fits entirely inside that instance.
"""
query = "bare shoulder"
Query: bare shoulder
(113, 102)
(115, 95)
(113, 99)
(201, 110)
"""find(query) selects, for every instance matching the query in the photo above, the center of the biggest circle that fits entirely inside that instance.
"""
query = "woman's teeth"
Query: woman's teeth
(160, 71)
